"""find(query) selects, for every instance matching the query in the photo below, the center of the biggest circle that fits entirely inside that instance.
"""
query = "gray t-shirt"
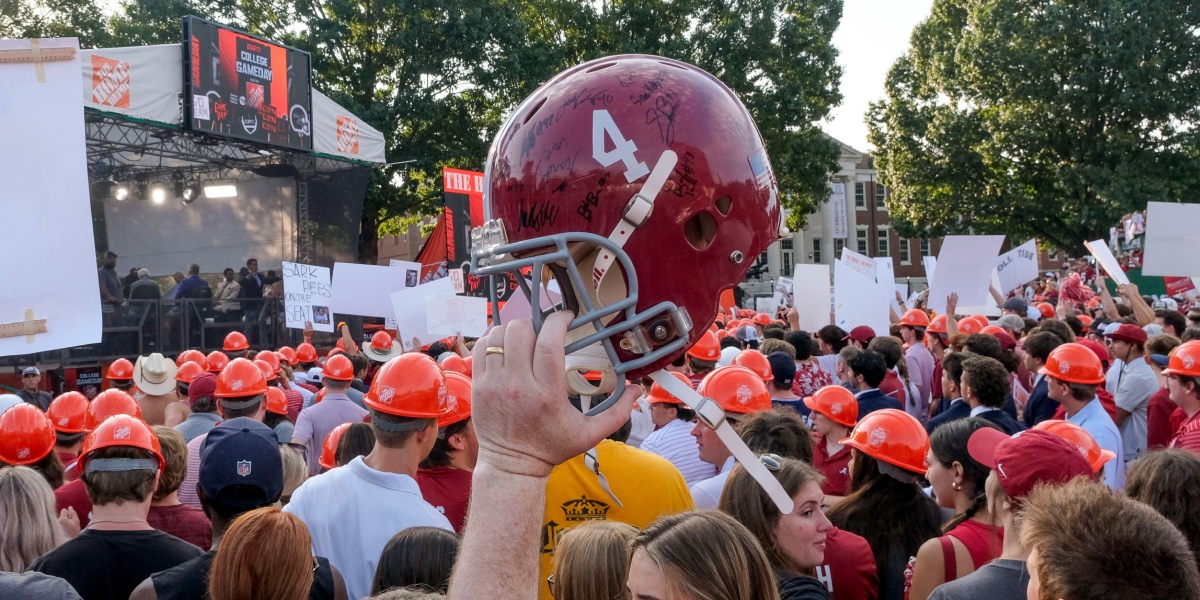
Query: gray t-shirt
(32, 585)
(1001, 579)
(1137, 383)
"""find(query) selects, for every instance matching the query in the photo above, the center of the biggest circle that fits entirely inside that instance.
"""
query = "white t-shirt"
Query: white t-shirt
(675, 443)
(707, 493)
(1137, 383)
(351, 513)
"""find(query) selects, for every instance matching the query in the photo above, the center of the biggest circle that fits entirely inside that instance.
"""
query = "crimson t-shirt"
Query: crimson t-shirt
(187, 523)
(73, 494)
(836, 468)
(1162, 419)
(449, 491)
(848, 571)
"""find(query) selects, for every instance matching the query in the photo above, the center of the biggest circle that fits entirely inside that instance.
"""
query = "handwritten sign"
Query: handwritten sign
(1017, 267)
(860, 263)
(454, 315)
(456, 277)
(306, 295)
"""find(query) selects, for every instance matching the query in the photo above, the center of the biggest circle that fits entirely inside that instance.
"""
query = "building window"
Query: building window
(860, 196)
(924, 247)
(862, 240)
(785, 244)
(786, 263)
(816, 250)
(839, 244)
(880, 197)
(905, 256)
(882, 235)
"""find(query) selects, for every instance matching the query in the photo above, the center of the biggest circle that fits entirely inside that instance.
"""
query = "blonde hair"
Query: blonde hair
(265, 555)
(175, 454)
(295, 470)
(28, 521)
(707, 555)
(591, 562)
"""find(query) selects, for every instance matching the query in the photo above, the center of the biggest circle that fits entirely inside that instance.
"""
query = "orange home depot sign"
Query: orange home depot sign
(347, 135)
(110, 82)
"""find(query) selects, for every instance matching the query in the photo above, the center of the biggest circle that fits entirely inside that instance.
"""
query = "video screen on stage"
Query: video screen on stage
(245, 87)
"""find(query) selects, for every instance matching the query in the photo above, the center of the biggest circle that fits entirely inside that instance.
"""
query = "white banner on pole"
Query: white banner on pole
(812, 295)
(1105, 257)
(306, 294)
(964, 267)
(837, 202)
(1017, 267)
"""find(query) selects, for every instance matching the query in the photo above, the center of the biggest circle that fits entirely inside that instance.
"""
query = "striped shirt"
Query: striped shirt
(675, 443)
(1188, 437)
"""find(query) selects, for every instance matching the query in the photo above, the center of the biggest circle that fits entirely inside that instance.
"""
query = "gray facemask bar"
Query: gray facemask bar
(120, 464)
(591, 315)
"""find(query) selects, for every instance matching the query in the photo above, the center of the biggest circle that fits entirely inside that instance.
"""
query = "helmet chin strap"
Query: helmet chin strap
(637, 212)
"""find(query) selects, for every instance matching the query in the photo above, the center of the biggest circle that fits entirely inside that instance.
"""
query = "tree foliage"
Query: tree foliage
(437, 77)
(1041, 118)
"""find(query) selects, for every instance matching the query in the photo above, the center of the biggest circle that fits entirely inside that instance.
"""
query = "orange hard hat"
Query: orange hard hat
(338, 368)
(468, 362)
(410, 385)
(319, 397)
(969, 325)
(240, 378)
(120, 370)
(1046, 309)
(1074, 363)
(736, 389)
(745, 313)
(914, 318)
(755, 361)
(382, 347)
(937, 325)
(216, 361)
(892, 436)
(1094, 302)
(835, 402)
(1095, 455)
(1086, 320)
(68, 413)
(734, 324)
(235, 342)
(454, 363)
(761, 319)
(195, 356)
(188, 372)
(662, 396)
(109, 403)
(328, 458)
(288, 354)
(721, 334)
(991, 330)
(458, 400)
(707, 348)
(264, 366)
(275, 401)
(306, 353)
(26, 435)
(982, 320)
(1185, 360)
(123, 431)
(714, 328)
(271, 359)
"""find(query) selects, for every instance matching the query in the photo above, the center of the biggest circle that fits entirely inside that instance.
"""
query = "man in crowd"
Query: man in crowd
(316, 421)
(985, 384)
(867, 371)
(31, 378)
(952, 371)
(1072, 373)
(225, 298)
(203, 406)
(740, 392)
(1136, 382)
(1040, 405)
(919, 359)
(445, 475)
(672, 439)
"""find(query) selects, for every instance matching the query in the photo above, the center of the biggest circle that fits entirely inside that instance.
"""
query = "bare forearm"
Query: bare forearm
(499, 555)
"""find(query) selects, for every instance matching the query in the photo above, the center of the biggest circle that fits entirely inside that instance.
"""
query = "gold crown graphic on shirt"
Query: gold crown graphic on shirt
(585, 509)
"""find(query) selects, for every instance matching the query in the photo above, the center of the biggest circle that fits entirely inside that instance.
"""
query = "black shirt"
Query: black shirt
(104, 565)
(800, 587)
(189, 581)
(40, 399)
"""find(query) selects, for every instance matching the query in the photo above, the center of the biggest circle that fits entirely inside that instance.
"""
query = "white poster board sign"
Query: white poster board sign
(860, 263)
(783, 296)
(47, 208)
(964, 267)
(454, 315)
(1017, 267)
(306, 294)
(812, 295)
(765, 305)
(1172, 242)
(1105, 257)
(841, 220)
(365, 289)
(930, 264)
(409, 308)
(858, 300)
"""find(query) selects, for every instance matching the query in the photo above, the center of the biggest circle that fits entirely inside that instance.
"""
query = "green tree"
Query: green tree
(1038, 118)
(83, 19)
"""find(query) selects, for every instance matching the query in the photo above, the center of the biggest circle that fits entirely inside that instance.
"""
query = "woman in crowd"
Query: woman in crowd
(810, 377)
(265, 555)
(702, 554)
(167, 513)
(591, 562)
(972, 537)
(795, 542)
(358, 440)
(885, 505)
(28, 526)
(27, 439)
(295, 471)
(1169, 482)
(419, 558)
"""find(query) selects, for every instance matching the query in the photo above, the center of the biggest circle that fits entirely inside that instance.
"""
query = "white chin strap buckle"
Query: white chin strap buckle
(713, 416)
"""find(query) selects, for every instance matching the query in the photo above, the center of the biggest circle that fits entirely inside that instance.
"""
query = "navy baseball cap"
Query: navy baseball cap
(783, 367)
(240, 464)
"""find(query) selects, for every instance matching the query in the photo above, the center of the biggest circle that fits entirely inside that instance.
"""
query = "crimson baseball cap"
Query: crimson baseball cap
(1128, 333)
(1027, 458)
(204, 384)
(861, 334)
(240, 464)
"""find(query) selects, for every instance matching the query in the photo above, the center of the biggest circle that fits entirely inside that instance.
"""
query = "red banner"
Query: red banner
(1178, 285)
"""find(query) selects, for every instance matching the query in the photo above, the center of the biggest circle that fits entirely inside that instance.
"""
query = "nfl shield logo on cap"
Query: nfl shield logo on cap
(243, 468)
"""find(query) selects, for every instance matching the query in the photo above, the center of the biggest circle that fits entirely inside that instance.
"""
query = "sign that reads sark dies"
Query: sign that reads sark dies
(306, 294)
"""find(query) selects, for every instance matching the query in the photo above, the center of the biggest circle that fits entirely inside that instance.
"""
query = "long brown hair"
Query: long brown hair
(591, 562)
(707, 555)
(265, 555)
(745, 500)
(949, 445)
(1169, 482)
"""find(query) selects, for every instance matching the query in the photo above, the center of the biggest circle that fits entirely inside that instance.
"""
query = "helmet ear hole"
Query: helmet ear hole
(700, 230)
(601, 67)
(723, 204)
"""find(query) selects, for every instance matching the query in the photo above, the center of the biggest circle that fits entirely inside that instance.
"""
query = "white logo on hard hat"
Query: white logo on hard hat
(743, 394)
(62, 420)
(23, 453)
(386, 393)
(877, 437)
(121, 433)
(451, 402)
(1064, 367)
(1188, 361)
(836, 409)
(235, 385)
(441, 393)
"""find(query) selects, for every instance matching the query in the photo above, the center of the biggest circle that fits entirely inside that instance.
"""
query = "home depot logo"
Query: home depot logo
(347, 135)
(110, 82)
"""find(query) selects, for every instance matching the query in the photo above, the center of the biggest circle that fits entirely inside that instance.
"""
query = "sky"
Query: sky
(873, 34)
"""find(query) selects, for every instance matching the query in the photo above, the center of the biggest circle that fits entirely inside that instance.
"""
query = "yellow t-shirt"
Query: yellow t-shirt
(648, 486)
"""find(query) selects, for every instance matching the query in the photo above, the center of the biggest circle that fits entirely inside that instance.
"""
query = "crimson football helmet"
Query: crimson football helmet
(642, 187)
